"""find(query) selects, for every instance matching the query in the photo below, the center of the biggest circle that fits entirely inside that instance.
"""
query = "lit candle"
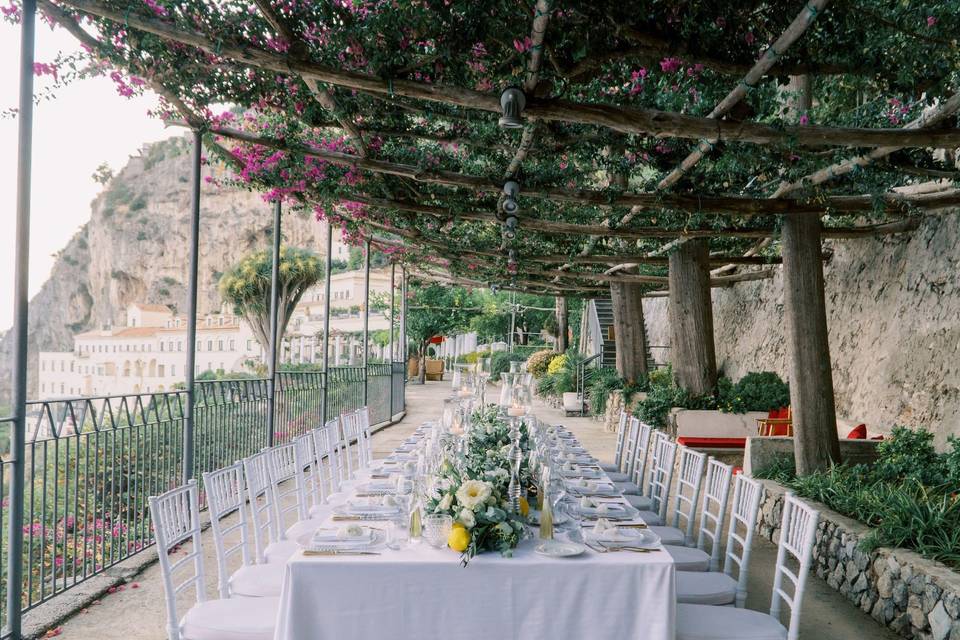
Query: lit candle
(515, 411)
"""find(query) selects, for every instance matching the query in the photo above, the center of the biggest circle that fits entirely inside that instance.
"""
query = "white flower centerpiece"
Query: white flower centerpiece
(471, 486)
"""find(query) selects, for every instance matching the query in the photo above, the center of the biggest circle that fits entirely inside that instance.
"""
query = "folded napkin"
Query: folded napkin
(602, 508)
(357, 506)
(351, 533)
(591, 486)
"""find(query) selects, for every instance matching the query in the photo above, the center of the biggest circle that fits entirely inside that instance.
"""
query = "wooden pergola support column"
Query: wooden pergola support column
(693, 353)
(560, 308)
(816, 445)
(628, 330)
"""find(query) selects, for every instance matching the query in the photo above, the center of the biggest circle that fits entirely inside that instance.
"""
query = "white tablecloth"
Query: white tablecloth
(423, 593)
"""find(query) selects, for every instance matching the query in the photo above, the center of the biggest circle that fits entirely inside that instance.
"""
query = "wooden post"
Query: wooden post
(808, 349)
(693, 353)
(560, 307)
(629, 333)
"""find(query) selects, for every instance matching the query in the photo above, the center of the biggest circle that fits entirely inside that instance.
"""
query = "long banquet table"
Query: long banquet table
(424, 593)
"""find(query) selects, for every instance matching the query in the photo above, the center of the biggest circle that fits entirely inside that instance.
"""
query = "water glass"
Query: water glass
(398, 533)
(436, 529)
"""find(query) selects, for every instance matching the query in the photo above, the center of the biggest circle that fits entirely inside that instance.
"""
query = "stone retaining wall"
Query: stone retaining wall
(916, 597)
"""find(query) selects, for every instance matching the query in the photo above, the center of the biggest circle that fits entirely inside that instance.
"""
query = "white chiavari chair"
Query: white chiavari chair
(225, 499)
(268, 542)
(286, 469)
(797, 537)
(614, 470)
(642, 474)
(660, 480)
(721, 587)
(631, 453)
(366, 435)
(686, 499)
(176, 521)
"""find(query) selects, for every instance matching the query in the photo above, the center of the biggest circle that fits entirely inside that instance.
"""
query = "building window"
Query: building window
(160, 369)
(63, 367)
(43, 365)
(219, 345)
(62, 388)
(233, 345)
(161, 346)
(209, 345)
(179, 345)
(173, 370)
(249, 345)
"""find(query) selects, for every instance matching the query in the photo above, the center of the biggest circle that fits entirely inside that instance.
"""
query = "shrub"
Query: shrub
(538, 361)
(603, 382)
(139, 203)
(500, 362)
(469, 358)
(909, 454)
(756, 391)
(557, 364)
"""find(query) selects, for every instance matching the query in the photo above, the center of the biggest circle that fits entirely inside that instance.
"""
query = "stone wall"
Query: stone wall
(916, 597)
(892, 303)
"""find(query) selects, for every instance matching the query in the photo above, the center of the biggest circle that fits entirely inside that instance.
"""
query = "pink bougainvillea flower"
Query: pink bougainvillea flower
(804, 119)
(931, 20)
(670, 65)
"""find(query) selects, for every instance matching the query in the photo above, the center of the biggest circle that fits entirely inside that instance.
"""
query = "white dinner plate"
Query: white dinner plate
(559, 549)
(378, 539)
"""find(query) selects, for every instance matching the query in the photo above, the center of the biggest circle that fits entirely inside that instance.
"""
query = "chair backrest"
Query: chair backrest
(340, 451)
(352, 426)
(798, 529)
(263, 518)
(714, 510)
(309, 470)
(687, 497)
(630, 445)
(286, 476)
(621, 436)
(225, 496)
(325, 450)
(176, 520)
(364, 415)
(663, 476)
(747, 494)
(644, 433)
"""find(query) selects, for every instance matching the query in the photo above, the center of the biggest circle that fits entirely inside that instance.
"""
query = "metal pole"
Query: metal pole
(392, 356)
(18, 429)
(393, 302)
(326, 318)
(274, 329)
(188, 418)
(366, 318)
(403, 319)
(513, 318)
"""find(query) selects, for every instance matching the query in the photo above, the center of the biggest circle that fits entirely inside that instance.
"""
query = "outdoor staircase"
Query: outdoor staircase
(608, 357)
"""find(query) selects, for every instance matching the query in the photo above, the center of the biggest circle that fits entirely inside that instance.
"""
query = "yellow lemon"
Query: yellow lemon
(459, 539)
(458, 525)
(524, 507)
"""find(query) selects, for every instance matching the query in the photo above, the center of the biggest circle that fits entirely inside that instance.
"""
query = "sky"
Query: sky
(85, 124)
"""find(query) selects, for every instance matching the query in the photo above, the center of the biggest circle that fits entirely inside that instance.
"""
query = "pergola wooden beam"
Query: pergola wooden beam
(570, 228)
(734, 205)
(622, 119)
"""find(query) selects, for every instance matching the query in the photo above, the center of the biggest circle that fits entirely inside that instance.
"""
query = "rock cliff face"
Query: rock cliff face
(893, 306)
(136, 248)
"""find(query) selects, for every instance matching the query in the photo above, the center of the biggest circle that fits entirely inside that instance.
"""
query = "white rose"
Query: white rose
(446, 502)
(467, 519)
(473, 493)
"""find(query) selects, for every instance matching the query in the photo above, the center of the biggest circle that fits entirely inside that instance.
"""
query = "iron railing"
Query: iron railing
(92, 462)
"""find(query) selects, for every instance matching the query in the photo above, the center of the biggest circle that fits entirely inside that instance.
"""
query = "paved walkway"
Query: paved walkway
(137, 611)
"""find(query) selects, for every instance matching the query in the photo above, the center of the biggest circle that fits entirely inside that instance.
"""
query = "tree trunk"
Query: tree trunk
(560, 307)
(629, 333)
(422, 374)
(808, 348)
(693, 353)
